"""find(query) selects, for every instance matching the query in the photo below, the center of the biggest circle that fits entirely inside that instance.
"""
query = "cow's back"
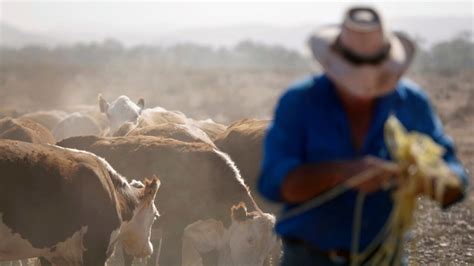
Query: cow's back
(190, 172)
(48, 119)
(181, 132)
(24, 129)
(76, 124)
(212, 129)
(48, 194)
(243, 141)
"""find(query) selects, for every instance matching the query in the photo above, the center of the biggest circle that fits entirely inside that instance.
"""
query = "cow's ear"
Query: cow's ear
(141, 103)
(201, 237)
(103, 104)
(156, 179)
(151, 187)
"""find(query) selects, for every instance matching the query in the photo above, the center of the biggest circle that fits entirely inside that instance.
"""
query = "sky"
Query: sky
(90, 16)
(220, 23)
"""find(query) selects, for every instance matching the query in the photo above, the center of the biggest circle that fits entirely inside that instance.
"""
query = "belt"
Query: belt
(338, 256)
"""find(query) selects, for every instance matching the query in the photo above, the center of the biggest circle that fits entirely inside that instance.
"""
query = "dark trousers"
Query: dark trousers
(295, 254)
(300, 255)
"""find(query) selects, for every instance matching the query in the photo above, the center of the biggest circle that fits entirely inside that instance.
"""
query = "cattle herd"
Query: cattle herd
(121, 184)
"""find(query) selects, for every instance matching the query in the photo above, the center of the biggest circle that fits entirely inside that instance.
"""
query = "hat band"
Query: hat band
(357, 59)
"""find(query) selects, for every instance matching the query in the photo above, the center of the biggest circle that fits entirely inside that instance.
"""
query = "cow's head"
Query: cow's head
(121, 110)
(248, 240)
(135, 233)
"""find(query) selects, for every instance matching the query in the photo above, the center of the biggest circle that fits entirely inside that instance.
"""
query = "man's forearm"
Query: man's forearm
(310, 180)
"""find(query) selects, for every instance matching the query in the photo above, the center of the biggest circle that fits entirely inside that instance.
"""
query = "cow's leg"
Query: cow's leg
(34, 262)
(94, 256)
(274, 258)
(158, 252)
(154, 259)
(44, 262)
(13, 263)
(157, 240)
(127, 259)
(171, 251)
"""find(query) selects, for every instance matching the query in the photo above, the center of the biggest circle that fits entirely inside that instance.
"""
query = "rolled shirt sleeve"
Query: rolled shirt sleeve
(283, 145)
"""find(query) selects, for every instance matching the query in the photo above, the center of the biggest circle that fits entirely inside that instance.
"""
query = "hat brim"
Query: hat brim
(397, 62)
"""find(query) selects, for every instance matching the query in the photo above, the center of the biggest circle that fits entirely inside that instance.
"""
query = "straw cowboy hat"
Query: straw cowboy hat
(360, 55)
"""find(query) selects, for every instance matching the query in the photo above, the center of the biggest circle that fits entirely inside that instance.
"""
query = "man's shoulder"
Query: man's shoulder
(304, 88)
(411, 91)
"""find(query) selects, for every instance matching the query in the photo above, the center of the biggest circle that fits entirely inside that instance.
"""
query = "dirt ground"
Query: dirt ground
(447, 237)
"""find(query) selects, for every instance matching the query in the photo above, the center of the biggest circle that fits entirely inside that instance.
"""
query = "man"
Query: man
(329, 128)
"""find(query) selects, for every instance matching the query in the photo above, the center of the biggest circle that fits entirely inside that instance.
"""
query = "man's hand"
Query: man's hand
(451, 193)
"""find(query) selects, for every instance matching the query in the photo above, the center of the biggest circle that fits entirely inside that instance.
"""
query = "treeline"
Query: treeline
(448, 57)
(225, 83)
(245, 55)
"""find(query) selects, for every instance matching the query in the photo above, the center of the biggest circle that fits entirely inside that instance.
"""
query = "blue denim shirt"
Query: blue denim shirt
(310, 126)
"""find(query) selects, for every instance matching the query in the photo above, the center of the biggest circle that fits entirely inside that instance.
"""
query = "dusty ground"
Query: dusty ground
(447, 237)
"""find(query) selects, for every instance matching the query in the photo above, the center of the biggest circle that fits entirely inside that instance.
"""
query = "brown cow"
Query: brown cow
(199, 183)
(243, 141)
(25, 130)
(69, 206)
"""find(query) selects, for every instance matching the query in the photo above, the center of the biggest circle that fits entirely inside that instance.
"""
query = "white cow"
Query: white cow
(248, 241)
(76, 124)
(125, 115)
(121, 110)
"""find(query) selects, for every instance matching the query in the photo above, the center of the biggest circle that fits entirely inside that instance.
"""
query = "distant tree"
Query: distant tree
(112, 45)
(453, 56)
(447, 57)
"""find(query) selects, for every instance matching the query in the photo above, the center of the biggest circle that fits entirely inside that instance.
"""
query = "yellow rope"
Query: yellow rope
(422, 163)
(355, 256)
